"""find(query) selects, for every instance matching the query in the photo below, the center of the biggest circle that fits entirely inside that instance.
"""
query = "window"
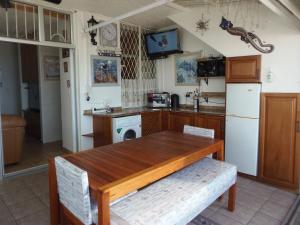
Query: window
(19, 21)
(138, 72)
(57, 26)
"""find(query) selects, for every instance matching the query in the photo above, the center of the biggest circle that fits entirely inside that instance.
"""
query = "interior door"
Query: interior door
(1, 143)
(68, 109)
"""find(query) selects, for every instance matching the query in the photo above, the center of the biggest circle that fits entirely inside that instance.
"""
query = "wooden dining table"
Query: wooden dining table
(118, 169)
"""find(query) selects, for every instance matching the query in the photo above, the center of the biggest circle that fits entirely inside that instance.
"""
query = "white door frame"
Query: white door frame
(76, 99)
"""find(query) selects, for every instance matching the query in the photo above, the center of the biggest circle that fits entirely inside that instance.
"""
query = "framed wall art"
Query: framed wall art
(186, 66)
(51, 67)
(105, 70)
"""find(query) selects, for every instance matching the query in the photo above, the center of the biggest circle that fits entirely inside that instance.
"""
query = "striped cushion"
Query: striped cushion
(73, 189)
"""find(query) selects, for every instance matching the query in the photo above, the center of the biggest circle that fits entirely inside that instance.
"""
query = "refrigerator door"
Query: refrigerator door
(243, 100)
(241, 143)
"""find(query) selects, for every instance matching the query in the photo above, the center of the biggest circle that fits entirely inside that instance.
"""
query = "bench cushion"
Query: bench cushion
(178, 198)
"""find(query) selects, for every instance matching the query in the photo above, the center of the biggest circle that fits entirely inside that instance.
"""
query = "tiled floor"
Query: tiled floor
(24, 201)
(36, 153)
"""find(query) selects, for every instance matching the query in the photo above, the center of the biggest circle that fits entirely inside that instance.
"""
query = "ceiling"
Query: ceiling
(154, 18)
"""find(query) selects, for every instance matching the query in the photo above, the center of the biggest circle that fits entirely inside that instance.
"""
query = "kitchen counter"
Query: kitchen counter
(217, 111)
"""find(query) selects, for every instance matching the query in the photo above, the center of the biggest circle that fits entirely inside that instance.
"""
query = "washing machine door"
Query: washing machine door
(129, 135)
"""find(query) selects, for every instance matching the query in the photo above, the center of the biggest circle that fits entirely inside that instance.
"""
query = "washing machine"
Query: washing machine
(127, 128)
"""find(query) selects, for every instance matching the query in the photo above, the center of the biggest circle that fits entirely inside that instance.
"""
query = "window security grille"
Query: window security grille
(57, 26)
(19, 21)
(138, 72)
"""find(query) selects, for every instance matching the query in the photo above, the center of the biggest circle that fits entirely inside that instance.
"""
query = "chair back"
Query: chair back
(198, 131)
(73, 190)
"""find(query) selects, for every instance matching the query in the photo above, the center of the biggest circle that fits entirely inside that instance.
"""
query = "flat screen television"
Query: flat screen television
(162, 44)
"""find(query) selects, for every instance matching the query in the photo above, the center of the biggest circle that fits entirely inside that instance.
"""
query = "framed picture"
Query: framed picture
(186, 66)
(65, 53)
(51, 67)
(105, 70)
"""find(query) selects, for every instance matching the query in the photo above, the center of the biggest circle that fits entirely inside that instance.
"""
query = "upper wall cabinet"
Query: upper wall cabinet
(244, 69)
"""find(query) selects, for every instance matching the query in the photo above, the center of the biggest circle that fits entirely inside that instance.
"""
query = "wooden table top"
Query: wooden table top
(116, 167)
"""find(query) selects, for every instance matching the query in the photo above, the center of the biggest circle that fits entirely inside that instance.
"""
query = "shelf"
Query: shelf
(213, 94)
(91, 135)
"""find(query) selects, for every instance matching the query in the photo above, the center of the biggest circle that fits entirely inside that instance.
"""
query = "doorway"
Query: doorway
(35, 84)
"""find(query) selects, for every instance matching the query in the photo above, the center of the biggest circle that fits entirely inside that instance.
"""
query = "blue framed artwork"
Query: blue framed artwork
(186, 69)
(106, 70)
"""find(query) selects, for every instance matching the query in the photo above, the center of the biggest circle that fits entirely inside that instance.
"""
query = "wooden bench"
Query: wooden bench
(175, 199)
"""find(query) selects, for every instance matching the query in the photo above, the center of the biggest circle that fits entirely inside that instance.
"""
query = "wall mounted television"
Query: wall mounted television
(162, 44)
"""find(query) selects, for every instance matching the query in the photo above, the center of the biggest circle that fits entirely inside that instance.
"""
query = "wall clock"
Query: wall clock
(109, 36)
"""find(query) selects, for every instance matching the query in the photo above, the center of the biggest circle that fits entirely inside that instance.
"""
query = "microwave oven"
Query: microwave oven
(158, 100)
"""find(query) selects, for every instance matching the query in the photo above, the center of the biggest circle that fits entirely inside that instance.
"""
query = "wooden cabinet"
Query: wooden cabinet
(102, 128)
(151, 122)
(244, 69)
(280, 139)
(29, 62)
(165, 120)
(211, 122)
(179, 119)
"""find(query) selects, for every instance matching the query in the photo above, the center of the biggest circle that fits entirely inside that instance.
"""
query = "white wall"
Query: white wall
(50, 100)
(9, 77)
(284, 61)
(99, 95)
(166, 69)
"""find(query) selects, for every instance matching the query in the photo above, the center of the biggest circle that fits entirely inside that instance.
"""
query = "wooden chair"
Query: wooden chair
(73, 189)
(77, 207)
(198, 131)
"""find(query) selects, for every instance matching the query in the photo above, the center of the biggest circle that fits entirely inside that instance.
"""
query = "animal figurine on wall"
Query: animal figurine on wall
(247, 37)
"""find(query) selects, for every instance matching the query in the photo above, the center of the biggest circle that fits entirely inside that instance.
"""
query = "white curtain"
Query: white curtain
(134, 91)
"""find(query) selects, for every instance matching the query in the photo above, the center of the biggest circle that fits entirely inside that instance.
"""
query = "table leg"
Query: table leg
(103, 208)
(220, 153)
(53, 194)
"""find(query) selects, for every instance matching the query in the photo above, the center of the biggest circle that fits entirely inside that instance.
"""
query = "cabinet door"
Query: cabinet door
(178, 120)
(216, 124)
(245, 69)
(211, 122)
(165, 117)
(279, 140)
(200, 121)
(151, 122)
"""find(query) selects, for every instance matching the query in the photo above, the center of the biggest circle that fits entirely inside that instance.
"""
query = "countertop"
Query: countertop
(217, 111)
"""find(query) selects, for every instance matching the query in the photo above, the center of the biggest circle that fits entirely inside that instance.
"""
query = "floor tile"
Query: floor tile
(249, 200)
(263, 219)
(40, 188)
(21, 195)
(241, 213)
(274, 210)
(283, 198)
(12, 185)
(27, 208)
(243, 182)
(223, 220)
(45, 199)
(40, 218)
(259, 189)
(207, 212)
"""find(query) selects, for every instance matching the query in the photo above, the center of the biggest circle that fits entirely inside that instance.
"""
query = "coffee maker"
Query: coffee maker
(174, 101)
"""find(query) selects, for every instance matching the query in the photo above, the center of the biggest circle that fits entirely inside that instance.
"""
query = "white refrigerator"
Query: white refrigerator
(242, 126)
